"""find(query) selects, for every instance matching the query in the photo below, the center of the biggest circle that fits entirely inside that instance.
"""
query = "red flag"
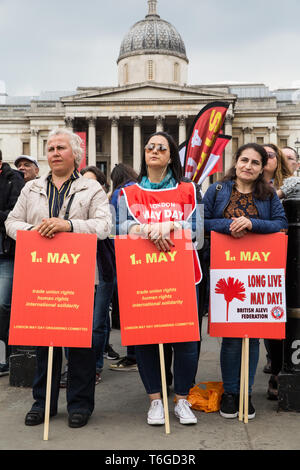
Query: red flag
(82, 135)
(218, 150)
(205, 131)
(214, 163)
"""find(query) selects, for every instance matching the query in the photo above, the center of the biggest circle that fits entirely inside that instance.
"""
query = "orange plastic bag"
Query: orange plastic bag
(206, 399)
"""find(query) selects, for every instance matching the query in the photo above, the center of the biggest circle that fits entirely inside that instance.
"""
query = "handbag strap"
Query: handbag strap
(66, 217)
(218, 188)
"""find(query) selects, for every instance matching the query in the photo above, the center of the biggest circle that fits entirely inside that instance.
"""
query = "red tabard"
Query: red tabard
(173, 204)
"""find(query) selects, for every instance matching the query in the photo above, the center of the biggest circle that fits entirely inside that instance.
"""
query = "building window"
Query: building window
(103, 167)
(150, 71)
(25, 148)
(99, 147)
(45, 147)
(260, 140)
(176, 72)
(283, 143)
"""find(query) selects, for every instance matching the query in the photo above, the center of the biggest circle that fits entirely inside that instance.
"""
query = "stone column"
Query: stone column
(247, 134)
(114, 146)
(272, 135)
(228, 149)
(182, 128)
(69, 121)
(159, 123)
(92, 141)
(137, 143)
(34, 143)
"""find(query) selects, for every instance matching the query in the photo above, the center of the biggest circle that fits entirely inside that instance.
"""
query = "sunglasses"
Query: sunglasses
(159, 147)
(271, 155)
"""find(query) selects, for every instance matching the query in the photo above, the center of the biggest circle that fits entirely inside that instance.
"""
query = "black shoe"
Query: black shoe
(4, 369)
(110, 354)
(251, 409)
(124, 364)
(267, 368)
(272, 392)
(34, 417)
(229, 407)
(77, 419)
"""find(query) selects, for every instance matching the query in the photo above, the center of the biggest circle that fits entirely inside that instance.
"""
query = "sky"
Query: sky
(62, 44)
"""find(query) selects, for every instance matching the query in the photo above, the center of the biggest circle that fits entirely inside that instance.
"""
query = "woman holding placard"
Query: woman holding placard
(242, 202)
(161, 184)
(62, 201)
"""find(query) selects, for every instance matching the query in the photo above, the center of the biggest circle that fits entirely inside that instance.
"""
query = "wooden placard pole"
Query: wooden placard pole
(246, 379)
(48, 393)
(242, 382)
(164, 387)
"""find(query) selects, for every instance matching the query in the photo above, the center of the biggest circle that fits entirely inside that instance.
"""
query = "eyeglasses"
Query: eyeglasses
(159, 147)
(271, 155)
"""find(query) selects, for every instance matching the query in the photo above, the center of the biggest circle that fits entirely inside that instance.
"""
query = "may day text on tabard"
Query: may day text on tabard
(247, 293)
(157, 295)
(53, 294)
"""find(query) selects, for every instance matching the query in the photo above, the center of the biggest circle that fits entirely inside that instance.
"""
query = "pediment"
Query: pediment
(145, 91)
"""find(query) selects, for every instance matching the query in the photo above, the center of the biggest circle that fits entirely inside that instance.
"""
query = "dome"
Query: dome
(152, 35)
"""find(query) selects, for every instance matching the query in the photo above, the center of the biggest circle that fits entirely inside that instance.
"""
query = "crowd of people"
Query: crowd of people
(248, 199)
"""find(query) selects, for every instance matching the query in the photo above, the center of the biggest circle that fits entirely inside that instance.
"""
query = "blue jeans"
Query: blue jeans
(185, 366)
(101, 323)
(6, 279)
(80, 383)
(231, 350)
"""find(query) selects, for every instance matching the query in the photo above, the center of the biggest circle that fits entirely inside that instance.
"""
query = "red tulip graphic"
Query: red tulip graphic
(232, 289)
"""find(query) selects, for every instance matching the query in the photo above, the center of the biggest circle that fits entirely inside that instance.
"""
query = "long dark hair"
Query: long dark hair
(121, 175)
(101, 178)
(261, 190)
(174, 165)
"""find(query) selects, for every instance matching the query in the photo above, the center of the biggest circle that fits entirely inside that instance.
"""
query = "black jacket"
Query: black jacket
(11, 183)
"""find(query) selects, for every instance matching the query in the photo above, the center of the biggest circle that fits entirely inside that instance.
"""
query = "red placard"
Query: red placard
(157, 293)
(53, 290)
(247, 286)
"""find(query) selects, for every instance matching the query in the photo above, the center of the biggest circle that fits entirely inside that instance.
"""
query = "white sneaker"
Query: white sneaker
(156, 414)
(184, 413)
